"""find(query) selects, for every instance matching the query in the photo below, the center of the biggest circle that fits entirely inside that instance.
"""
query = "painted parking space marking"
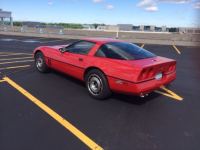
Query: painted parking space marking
(169, 93)
(5, 52)
(142, 46)
(32, 40)
(20, 40)
(15, 58)
(67, 125)
(15, 67)
(176, 49)
(12, 62)
(14, 54)
(2, 81)
(7, 40)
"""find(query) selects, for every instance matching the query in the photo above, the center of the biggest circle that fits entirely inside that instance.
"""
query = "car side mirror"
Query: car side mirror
(62, 50)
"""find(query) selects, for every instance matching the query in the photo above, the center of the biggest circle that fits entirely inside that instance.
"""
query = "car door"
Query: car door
(76, 58)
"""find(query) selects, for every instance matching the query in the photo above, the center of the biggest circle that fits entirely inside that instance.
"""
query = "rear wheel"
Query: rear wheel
(97, 84)
(40, 63)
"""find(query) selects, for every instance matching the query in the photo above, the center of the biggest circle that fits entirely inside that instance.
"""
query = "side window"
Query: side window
(101, 51)
(82, 47)
(108, 51)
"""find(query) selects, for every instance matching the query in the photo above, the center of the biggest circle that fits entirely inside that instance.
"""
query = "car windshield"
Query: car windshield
(123, 51)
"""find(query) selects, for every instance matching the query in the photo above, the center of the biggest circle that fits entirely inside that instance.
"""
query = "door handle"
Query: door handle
(80, 59)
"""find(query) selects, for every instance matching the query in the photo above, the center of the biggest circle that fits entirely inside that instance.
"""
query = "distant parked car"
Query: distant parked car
(108, 65)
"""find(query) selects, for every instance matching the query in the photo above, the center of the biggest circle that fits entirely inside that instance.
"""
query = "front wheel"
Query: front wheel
(97, 84)
(40, 63)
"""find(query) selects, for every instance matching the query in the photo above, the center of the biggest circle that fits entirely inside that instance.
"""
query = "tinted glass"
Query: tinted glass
(123, 51)
(82, 47)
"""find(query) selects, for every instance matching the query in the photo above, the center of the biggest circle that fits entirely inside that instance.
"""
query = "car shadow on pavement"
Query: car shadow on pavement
(131, 99)
(68, 77)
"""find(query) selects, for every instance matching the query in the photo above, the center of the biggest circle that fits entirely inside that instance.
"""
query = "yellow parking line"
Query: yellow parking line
(14, 58)
(13, 54)
(14, 67)
(177, 50)
(2, 81)
(90, 143)
(169, 93)
(11, 62)
(142, 45)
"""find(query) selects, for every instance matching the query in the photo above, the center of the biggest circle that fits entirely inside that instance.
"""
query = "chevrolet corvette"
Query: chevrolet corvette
(108, 65)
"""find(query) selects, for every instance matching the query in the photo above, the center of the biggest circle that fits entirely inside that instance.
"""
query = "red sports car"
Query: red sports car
(107, 65)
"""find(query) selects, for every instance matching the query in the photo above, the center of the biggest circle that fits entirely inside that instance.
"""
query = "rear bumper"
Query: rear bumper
(145, 87)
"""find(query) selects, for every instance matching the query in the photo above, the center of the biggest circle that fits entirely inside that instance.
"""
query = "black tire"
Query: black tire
(40, 63)
(97, 84)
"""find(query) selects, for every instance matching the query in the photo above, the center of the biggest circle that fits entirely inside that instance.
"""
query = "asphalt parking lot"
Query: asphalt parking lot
(166, 119)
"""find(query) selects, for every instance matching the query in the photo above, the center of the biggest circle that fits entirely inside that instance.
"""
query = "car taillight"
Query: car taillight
(147, 73)
(172, 68)
(159, 70)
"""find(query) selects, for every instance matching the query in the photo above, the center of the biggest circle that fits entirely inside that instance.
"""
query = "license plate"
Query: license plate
(158, 76)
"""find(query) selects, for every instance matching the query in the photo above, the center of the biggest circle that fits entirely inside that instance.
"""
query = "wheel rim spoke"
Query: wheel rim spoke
(39, 63)
(95, 85)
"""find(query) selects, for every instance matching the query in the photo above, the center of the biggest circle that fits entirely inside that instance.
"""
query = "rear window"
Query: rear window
(123, 51)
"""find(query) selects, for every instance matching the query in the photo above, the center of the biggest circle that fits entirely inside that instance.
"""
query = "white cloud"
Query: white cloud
(175, 1)
(151, 8)
(148, 5)
(50, 3)
(109, 6)
(97, 1)
(152, 5)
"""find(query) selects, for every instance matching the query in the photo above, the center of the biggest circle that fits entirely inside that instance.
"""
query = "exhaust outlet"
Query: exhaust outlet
(143, 95)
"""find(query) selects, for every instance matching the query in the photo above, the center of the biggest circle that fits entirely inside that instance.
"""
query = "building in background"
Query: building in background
(158, 29)
(136, 28)
(112, 27)
(190, 30)
(88, 26)
(147, 28)
(164, 28)
(125, 27)
(102, 27)
(6, 18)
(108, 27)
(141, 27)
(152, 28)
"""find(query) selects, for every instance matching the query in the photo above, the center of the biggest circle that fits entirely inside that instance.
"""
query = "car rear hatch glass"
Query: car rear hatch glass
(124, 51)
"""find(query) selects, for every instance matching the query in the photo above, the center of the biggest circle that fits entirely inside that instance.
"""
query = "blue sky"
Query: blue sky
(146, 12)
